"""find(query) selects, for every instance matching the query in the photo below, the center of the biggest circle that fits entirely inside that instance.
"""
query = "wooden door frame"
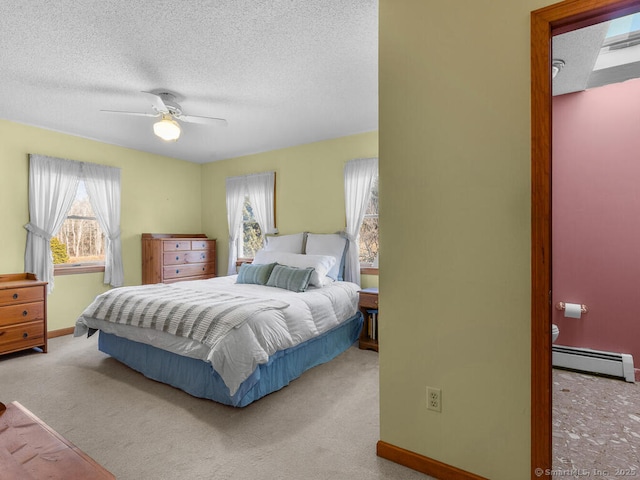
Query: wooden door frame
(559, 18)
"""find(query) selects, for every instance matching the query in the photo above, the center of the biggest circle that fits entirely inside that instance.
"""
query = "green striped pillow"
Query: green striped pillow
(255, 274)
(291, 278)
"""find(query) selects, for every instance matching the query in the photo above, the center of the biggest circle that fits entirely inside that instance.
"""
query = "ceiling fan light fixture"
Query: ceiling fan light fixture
(556, 66)
(167, 129)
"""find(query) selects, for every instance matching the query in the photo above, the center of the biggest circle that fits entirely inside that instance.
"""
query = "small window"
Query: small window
(369, 231)
(80, 241)
(250, 238)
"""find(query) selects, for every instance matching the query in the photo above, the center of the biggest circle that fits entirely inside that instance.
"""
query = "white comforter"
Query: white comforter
(237, 355)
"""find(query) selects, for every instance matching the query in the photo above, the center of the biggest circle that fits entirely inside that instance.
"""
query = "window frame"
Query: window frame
(61, 269)
(241, 260)
(366, 268)
(240, 241)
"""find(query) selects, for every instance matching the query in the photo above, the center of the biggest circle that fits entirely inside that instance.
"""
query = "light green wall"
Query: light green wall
(309, 188)
(165, 195)
(159, 194)
(455, 226)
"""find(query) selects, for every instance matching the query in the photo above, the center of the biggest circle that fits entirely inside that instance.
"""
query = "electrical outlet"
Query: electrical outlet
(434, 399)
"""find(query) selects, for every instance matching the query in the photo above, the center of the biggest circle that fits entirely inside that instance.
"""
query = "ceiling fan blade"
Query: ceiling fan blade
(158, 103)
(139, 114)
(221, 122)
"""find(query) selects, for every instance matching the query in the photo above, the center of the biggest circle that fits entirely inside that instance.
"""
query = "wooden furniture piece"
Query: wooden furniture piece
(168, 257)
(30, 449)
(23, 313)
(368, 305)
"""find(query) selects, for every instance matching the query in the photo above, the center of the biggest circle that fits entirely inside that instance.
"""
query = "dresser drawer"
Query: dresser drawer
(203, 245)
(180, 258)
(183, 279)
(368, 300)
(11, 296)
(174, 258)
(12, 314)
(18, 337)
(188, 270)
(176, 245)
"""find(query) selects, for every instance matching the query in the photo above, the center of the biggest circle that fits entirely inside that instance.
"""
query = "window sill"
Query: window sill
(240, 261)
(77, 268)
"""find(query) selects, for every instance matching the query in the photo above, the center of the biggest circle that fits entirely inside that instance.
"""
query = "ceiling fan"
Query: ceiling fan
(165, 106)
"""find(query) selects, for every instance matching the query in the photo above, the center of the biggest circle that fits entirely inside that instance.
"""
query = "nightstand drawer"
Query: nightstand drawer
(24, 335)
(12, 314)
(21, 295)
(368, 300)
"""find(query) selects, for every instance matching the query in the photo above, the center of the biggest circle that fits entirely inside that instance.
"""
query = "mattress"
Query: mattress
(253, 342)
(198, 378)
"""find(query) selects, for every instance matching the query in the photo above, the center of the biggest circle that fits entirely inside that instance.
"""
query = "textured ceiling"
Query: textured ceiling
(282, 72)
(579, 50)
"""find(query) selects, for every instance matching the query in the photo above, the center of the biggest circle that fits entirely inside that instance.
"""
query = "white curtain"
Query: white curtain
(236, 188)
(53, 183)
(103, 187)
(359, 176)
(261, 188)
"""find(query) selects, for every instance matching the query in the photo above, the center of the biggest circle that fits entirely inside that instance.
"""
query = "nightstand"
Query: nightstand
(368, 305)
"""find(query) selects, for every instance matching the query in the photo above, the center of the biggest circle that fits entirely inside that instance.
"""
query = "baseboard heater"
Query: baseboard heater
(594, 361)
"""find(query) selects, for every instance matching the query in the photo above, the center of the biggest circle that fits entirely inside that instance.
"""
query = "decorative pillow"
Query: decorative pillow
(333, 244)
(254, 274)
(291, 278)
(285, 243)
(320, 263)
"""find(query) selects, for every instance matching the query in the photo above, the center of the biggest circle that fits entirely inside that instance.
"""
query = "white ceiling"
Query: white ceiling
(282, 72)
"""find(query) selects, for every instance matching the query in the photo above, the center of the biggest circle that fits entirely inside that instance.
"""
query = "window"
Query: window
(250, 213)
(250, 234)
(369, 230)
(55, 186)
(80, 241)
(360, 185)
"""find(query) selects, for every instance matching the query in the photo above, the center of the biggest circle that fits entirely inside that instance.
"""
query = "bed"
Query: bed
(230, 339)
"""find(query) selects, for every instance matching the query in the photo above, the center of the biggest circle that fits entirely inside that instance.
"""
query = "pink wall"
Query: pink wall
(596, 216)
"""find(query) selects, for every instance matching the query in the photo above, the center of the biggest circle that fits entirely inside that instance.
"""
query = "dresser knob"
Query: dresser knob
(177, 245)
(177, 271)
(177, 258)
(25, 335)
(24, 313)
(15, 295)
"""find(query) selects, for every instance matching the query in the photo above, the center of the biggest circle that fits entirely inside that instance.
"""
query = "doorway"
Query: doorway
(546, 22)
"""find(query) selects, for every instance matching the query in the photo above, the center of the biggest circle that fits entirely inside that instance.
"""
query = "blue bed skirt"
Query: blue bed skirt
(199, 379)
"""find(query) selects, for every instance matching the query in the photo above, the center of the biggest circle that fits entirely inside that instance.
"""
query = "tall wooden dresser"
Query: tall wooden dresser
(23, 313)
(175, 257)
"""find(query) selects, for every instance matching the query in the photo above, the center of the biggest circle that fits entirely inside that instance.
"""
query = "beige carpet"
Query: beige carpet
(324, 425)
(596, 426)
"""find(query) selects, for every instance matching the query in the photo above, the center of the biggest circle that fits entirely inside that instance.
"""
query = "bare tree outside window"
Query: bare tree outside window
(369, 229)
(80, 239)
(251, 239)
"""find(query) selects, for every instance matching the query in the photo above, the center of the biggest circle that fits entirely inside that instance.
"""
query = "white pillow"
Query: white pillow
(321, 263)
(285, 243)
(332, 244)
